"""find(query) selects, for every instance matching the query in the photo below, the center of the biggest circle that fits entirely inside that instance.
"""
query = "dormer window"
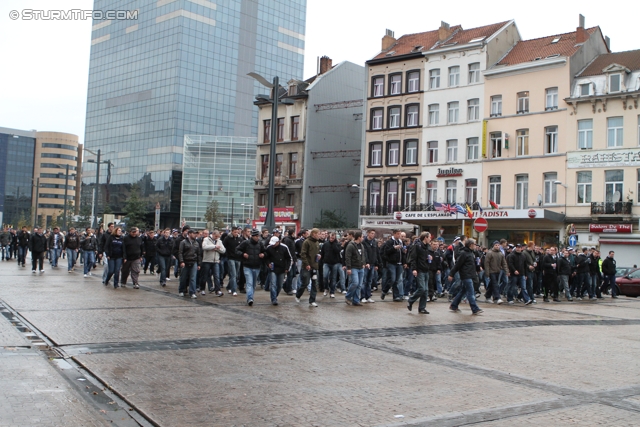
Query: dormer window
(614, 83)
(585, 89)
(555, 40)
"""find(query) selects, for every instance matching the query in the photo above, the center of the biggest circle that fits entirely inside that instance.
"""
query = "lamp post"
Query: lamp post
(269, 221)
(96, 189)
(35, 221)
(565, 194)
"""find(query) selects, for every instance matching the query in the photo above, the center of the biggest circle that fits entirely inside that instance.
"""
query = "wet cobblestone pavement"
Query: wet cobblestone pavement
(150, 357)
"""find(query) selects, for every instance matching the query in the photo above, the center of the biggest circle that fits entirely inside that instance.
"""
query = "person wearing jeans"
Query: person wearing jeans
(189, 258)
(251, 252)
(309, 255)
(466, 266)
(421, 259)
(163, 251)
(89, 246)
(71, 245)
(356, 261)
(564, 271)
(517, 262)
(278, 260)
(56, 240)
(393, 249)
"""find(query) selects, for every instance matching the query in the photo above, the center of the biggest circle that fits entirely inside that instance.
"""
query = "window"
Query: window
(395, 84)
(614, 132)
(453, 112)
(613, 184)
(552, 99)
(614, 83)
(496, 145)
(291, 199)
(434, 79)
(432, 147)
(450, 189)
(551, 139)
(392, 195)
(522, 143)
(432, 192)
(522, 191)
(412, 112)
(471, 190)
(262, 200)
(454, 76)
(295, 125)
(474, 72)
(585, 134)
(378, 86)
(267, 131)
(496, 105)
(293, 165)
(473, 149)
(279, 158)
(374, 193)
(550, 189)
(280, 130)
(638, 130)
(394, 118)
(434, 114)
(376, 154)
(638, 187)
(452, 151)
(494, 188)
(376, 119)
(413, 81)
(61, 146)
(265, 166)
(522, 102)
(585, 89)
(584, 187)
(473, 109)
(393, 153)
(409, 192)
(411, 152)
(58, 156)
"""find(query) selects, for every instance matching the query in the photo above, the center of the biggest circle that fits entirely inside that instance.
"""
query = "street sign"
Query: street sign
(480, 225)
(157, 222)
(573, 240)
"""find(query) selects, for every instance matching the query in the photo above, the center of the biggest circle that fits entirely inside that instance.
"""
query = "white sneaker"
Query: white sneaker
(41, 271)
(488, 300)
(33, 271)
(325, 293)
(235, 294)
(370, 300)
(344, 292)
(84, 275)
(89, 273)
(230, 291)
(332, 296)
(499, 301)
(181, 294)
(313, 304)
(297, 299)
(168, 279)
(194, 296)
(363, 301)
(202, 293)
(406, 298)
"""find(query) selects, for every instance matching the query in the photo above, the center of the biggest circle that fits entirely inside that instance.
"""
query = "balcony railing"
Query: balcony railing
(416, 207)
(611, 208)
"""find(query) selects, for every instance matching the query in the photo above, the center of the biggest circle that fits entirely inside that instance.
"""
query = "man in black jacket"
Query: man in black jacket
(23, 245)
(38, 247)
(396, 262)
(290, 242)
(231, 242)
(564, 272)
(420, 260)
(278, 261)
(177, 239)
(330, 254)
(609, 272)
(435, 268)
(465, 266)
(518, 267)
(594, 273)
(583, 280)
(252, 254)
(550, 275)
(164, 246)
(70, 246)
(189, 257)
(373, 256)
(131, 256)
(89, 245)
(149, 252)
(102, 243)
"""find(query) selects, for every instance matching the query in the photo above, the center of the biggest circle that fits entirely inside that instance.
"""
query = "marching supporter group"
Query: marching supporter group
(418, 269)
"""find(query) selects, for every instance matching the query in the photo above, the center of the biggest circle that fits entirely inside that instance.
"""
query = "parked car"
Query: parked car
(629, 284)
(622, 271)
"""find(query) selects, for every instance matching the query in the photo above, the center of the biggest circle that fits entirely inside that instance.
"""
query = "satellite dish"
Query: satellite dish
(616, 196)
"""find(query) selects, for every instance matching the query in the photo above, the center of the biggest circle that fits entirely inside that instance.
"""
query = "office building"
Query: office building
(17, 149)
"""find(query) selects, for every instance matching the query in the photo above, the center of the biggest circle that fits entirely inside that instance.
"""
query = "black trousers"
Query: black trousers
(37, 257)
(550, 283)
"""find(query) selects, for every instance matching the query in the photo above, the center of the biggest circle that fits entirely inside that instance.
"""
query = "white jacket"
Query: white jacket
(211, 250)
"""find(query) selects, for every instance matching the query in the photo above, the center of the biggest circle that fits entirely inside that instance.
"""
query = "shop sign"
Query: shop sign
(446, 173)
(603, 159)
(487, 214)
(383, 223)
(279, 214)
(610, 228)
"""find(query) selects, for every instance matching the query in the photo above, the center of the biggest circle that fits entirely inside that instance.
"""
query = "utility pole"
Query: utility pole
(35, 221)
(66, 187)
(269, 221)
(95, 193)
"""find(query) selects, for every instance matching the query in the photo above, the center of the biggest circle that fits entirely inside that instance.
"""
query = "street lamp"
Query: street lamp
(269, 221)
(556, 182)
(97, 186)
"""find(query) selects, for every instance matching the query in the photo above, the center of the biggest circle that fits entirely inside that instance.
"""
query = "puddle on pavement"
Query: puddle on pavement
(63, 364)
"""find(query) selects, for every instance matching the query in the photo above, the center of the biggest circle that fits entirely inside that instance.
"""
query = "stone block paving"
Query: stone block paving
(9, 336)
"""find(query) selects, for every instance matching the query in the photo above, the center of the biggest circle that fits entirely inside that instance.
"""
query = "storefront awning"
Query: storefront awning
(424, 217)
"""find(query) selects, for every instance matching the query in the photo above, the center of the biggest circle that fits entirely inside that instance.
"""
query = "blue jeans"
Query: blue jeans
(504, 282)
(207, 270)
(355, 284)
(330, 275)
(467, 288)
(71, 259)
(366, 283)
(494, 287)
(55, 254)
(306, 280)
(422, 290)
(115, 264)
(22, 254)
(276, 279)
(165, 264)
(6, 251)
(518, 282)
(611, 279)
(251, 276)
(234, 268)
(394, 280)
(89, 258)
(188, 275)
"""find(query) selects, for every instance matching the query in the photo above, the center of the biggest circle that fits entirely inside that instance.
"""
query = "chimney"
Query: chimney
(444, 32)
(607, 40)
(325, 64)
(388, 40)
(581, 34)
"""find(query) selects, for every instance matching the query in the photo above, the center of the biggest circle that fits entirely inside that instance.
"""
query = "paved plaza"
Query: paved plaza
(76, 353)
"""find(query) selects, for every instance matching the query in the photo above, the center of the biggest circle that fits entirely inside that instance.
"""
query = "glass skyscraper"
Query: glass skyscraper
(179, 68)
(17, 151)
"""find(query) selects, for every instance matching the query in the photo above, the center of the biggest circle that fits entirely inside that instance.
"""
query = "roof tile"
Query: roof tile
(629, 59)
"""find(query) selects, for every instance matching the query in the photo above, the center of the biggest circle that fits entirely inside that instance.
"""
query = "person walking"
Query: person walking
(251, 252)
(89, 245)
(564, 271)
(149, 252)
(164, 246)
(550, 275)
(113, 248)
(465, 266)
(309, 256)
(38, 247)
(5, 244)
(517, 263)
(55, 243)
(330, 254)
(278, 259)
(609, 272)
(70, 246)
(420, 260)
(396, 262)
(231, 243)
(494, 264)
(212, 250)
(189, 258)
(131, 257)
(356, 261)
(23, 245)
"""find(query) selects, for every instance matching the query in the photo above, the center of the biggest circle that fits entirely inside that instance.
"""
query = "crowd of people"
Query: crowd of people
(353, 264)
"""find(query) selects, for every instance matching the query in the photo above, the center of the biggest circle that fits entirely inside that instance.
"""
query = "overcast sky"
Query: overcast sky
(45, 64)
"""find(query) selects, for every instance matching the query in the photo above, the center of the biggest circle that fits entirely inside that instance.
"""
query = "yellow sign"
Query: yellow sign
(484, 138)
(467, 228)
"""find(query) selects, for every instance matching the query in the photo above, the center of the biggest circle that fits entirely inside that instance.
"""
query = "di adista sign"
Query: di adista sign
(487, 214)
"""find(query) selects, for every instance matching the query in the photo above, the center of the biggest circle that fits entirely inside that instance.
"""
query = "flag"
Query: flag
(469, 212)
(480, 208)
(493, 204)
(439, 206)
(460, 209)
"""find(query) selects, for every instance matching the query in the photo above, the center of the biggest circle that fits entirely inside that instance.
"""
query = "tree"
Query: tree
(332, 220)
(135, 210)
(214, 215)
(84, 218)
